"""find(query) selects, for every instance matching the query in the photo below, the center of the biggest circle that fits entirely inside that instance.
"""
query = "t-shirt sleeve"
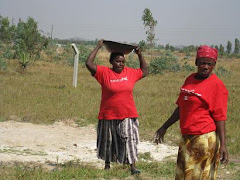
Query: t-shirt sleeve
(219, 105)
(179, 96)
(178, 99)
(99, 73)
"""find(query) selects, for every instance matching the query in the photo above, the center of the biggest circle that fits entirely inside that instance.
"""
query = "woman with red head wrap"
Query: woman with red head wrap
(202, 110)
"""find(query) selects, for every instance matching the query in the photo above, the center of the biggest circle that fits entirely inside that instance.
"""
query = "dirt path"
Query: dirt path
(59, 143)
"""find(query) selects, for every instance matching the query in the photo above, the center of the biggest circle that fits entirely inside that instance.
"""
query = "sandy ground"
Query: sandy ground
(59, 143)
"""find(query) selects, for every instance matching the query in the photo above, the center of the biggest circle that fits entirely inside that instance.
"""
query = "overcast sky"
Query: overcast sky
(180, 22)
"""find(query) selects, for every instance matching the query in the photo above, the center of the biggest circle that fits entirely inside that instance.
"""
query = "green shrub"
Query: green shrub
(57, 58)
(188, 67)
(83, 55)
(167, 62)
(23, 60)
(187, 57)
(8, 54)
(3, 64)
(131, 62)
(70, 60)
(222, 72)
(236, 56)
(1, 45)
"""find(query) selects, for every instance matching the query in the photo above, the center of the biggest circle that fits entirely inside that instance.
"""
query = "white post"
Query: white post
(75, 71)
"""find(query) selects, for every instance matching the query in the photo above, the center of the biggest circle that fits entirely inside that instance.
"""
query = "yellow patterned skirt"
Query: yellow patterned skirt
(198, 157)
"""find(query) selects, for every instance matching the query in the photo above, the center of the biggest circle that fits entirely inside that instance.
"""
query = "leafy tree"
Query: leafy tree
(28, 39)
(188, 49)
(149, 24)
(167, 46)
(160, 47)
(6, 30)
(229, 47)
(237, 47)
(172, 48)
(221, 50)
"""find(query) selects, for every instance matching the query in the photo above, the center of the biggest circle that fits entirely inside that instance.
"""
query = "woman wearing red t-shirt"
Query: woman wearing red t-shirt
(117, 133)
(202, 110)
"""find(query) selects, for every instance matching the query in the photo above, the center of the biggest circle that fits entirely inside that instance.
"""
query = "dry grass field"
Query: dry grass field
(44, 94)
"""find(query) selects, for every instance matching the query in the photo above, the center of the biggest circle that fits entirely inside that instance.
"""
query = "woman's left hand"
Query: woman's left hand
(138, 51)
(221, 134)
(223, 155)
(159, 135)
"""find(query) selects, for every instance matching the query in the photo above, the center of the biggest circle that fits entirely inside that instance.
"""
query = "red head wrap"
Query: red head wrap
(206, 51)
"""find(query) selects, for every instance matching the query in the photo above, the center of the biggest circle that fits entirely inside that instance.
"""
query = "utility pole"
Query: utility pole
(75, 70)
(51, 33)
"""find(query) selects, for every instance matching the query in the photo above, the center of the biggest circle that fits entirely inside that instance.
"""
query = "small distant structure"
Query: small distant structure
(59, 45)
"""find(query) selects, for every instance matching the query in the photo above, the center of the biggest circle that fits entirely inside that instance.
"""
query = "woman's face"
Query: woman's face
(205, 66)
(118, 64)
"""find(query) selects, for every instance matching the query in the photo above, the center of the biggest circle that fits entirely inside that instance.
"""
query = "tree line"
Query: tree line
(24, 41)
(150, 23)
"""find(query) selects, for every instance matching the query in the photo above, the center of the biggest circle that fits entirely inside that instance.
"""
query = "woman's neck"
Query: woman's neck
(199, 77)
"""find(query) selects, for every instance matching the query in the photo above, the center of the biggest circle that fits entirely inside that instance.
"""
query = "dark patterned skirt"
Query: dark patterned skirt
(198, 157)
(117, 140)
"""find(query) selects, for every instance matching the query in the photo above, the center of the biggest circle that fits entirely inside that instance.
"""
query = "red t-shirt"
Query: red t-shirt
(117, 92)
(201, 102)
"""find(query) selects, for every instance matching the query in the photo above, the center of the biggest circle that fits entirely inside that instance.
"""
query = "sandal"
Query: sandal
(107, 166)
(135, 171)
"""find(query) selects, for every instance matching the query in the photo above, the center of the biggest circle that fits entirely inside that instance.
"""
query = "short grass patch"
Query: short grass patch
(76, 170)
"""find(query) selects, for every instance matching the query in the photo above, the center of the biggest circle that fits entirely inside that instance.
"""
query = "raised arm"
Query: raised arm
(143, 64)
(221, 134)
(159, 135)
(92, 67)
